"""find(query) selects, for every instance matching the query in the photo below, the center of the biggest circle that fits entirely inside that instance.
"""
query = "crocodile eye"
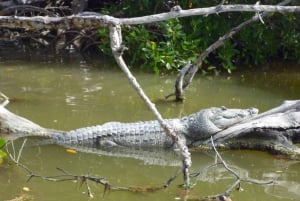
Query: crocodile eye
(184, 118)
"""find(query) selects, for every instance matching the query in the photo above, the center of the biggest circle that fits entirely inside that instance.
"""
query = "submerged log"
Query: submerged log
(276, 131)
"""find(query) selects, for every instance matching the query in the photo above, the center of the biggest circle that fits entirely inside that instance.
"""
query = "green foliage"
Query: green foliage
(277, 39)
(3, 154)
(226, 55)
(104, 41)
(170, 51)
(170, 44)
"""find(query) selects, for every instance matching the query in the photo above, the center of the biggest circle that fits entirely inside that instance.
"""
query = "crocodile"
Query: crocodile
(276, 130)
(194, 127)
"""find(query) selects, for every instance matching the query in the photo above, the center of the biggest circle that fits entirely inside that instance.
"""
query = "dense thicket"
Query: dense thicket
(169, 44)
(165, 45)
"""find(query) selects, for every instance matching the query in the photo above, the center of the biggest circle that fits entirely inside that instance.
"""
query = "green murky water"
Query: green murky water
(71, 95)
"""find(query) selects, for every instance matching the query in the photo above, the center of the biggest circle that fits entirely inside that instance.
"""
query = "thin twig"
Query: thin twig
(21, 150)
(238, 178)
(5, 101)
(90, 194)
(222, 161)
(196, 174)
(14, 151)
(170, 180)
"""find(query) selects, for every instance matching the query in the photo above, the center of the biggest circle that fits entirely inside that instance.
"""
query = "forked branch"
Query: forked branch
(187, 73)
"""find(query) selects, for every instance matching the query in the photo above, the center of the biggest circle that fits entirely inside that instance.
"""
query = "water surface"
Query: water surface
(75, 94)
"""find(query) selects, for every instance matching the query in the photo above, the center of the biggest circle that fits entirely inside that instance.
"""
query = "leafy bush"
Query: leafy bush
(168, 45)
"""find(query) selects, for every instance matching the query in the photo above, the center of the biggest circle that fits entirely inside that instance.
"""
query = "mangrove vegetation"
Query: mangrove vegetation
(167, 45)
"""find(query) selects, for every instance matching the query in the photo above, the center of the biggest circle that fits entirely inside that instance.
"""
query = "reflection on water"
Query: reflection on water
(73, 95)
(284, 189)
(287, 180)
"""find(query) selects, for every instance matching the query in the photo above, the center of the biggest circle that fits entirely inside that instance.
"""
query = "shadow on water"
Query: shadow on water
(69, 95)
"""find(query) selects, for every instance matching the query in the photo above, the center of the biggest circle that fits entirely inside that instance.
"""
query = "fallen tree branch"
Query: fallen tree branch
(117, 49)
(235, 174)
(188, 72)
(95, 21)
(238, 179)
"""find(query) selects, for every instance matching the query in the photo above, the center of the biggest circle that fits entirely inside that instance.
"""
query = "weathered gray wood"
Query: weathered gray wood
(12, 123)
(285, 118)
(96, 21)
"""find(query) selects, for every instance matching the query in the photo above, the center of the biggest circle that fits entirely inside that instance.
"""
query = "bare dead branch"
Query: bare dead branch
(82, 21)
(185, 77)
(180, 82)
(235, 174)
(117, 49)
(178, 13)
(170, 180)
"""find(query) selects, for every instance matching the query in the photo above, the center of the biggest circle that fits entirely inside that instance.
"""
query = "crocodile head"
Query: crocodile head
(205, 123)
